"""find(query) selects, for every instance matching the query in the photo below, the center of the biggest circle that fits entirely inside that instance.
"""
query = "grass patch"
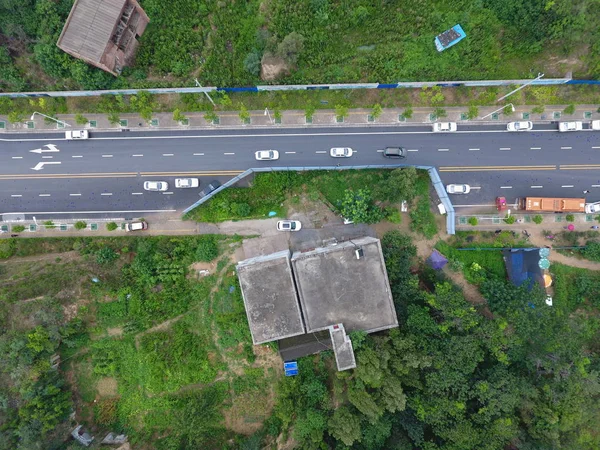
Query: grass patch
(575, 287)
(490, 260)
(422, 218)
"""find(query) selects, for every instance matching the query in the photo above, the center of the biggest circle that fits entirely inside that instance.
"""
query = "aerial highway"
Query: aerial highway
(43, 173)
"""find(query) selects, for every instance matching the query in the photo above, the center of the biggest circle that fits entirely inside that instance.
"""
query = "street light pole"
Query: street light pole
(540, 75)
(500, 109)
(269, 114)
(51, 118)
(205, 93)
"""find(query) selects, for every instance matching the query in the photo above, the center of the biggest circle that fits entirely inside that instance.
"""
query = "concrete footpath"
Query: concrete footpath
(487, 115)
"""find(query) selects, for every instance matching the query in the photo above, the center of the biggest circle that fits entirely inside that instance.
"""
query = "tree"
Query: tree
(80, 225)
(399, 186)
(408, 112)
(178, 116)
(15, 116)
(569, 109)
(80, 119)
(243, 113)
(207, 249)
(341, 112)
(344, 426)
(309, 110)
(111, 226)
(252, 63)
(376, 111)
(473, 112)
(211, 116)
(291, 46)
(113, 118)
(358, 207)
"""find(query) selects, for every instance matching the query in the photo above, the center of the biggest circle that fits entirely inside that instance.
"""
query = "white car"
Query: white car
(458, 189)
(570, 126)
(136, 226)
(592, 208)
(520, 126)
(76, 134)
(160, 186)
(595, 125)
(341, 152)
(267, 155)
(289, 225)
(184, 183)
(444, 127)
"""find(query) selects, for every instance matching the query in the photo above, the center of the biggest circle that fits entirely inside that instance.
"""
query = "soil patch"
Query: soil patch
(107, 387)
(117, 331)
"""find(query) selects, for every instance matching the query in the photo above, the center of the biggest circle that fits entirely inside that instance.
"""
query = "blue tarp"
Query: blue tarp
(523, 267)
(291, 368)
(436, 260)
(449, 38)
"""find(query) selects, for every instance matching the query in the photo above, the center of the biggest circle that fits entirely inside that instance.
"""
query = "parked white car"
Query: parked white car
(289, 225)
(160, 186)
(570, 126)
(458, 189)
(267, 155)
(136, 226)
(186, 183)
(341, 152)
(520, 126)
(595, 125)
(592, 208)
(446, 127)
(76, 134)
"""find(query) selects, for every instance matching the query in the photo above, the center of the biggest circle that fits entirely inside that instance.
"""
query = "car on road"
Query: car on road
(592, 208)
(570, 126)
(394, 152)
(444, 127)
(289, 225)
(159, 186)
(210, 187)
(524, 125)
(458, 189)
(186, 183)
(76, 134)
(341, 152)
(136, 226)
(595, 125)
(266, 155)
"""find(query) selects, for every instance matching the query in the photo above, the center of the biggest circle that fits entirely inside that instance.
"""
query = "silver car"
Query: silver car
(266, 155)
(341, 152)
(520, 126)
(159, 186)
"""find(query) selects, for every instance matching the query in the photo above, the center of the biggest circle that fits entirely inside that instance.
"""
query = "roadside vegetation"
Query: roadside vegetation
(363, 196)
(125, 333)
(316, 41)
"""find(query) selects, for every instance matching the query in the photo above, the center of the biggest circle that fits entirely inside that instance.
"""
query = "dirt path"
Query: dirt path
(64, 257)
(555, 256)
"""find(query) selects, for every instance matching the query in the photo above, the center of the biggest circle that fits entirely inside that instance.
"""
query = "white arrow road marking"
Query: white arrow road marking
(40, 165)
(51, 148)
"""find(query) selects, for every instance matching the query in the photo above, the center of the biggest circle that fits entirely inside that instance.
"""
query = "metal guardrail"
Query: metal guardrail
(433, 175)
(299, 87)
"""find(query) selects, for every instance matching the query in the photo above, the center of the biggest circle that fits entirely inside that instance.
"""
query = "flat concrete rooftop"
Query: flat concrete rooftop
(270, 297)
(335, 287)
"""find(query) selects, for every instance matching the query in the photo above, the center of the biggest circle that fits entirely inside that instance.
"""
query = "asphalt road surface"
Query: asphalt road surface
(43, 173)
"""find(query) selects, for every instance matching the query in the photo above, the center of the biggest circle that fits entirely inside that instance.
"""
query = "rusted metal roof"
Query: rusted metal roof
(89, 28)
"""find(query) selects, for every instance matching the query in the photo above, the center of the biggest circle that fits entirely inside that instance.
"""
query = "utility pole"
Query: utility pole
(205, 93)
(500, 109)
(51, 118)
(540, 75)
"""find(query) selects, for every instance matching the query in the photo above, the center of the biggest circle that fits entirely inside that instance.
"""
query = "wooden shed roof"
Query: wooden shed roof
(90, 26)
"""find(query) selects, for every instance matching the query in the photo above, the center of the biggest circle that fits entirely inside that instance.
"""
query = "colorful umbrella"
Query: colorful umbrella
(571, 227)
(544, 263)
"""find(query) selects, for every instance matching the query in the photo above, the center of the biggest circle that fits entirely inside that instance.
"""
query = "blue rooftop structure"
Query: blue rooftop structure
(449, 38)
(523, 268)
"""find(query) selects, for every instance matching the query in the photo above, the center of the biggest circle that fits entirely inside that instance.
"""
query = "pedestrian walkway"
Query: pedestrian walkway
(297, 118)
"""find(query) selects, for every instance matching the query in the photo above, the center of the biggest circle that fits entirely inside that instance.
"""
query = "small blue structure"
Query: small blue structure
(436, 260)
(449, 38)
(291, 368)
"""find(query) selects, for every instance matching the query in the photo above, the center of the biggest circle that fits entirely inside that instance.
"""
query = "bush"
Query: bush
(80, 119)
(592, 250)
(341, 111)
(207, 249)
(473, 221)
(538, 109)
(80, 225)
(569, 109)
(473, 112)
(510, 220)
(537, 219)
(570, 218)
(377, 111)
(18, 228)
(49, 225)
(111, 226)
(408, 112)
(392, 214)
(106, 255)
(211, 116)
